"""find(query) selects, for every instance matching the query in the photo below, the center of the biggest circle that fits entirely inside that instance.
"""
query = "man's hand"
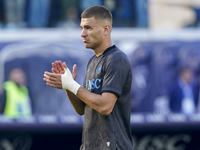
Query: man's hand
(58, 68)
(62, 81)
(53, 80)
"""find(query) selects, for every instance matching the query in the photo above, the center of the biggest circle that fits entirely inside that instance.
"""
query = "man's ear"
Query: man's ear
(107, 29)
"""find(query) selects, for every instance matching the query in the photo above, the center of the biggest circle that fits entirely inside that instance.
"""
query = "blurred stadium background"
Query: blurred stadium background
(159, 37)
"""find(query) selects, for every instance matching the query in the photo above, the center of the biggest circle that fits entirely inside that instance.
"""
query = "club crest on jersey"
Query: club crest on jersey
(98, 70)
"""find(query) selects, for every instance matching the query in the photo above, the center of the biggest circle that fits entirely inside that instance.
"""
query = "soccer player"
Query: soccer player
(104, 98)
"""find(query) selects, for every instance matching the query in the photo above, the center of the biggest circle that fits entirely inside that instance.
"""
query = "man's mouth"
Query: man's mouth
(85, 41)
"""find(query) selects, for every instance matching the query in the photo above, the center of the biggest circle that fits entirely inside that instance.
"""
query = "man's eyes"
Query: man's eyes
(88, 28)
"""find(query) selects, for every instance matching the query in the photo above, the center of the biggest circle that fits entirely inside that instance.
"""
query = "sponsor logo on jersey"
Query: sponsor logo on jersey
(93, 84)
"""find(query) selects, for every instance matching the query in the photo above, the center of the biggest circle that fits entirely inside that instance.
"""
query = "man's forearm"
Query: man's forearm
(103, 103)
(78, 105)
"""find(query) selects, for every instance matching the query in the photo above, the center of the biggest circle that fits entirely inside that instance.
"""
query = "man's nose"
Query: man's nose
(83, 33)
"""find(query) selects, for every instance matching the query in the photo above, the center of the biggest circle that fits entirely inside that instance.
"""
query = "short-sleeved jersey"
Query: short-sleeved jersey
(110, 72)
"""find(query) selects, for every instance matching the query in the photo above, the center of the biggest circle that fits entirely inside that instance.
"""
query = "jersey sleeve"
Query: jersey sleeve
(116, 72)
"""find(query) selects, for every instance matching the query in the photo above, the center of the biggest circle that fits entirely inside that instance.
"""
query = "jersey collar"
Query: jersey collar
(108, 49)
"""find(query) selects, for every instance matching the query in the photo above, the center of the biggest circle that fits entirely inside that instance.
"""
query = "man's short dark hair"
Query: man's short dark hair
(98, 12)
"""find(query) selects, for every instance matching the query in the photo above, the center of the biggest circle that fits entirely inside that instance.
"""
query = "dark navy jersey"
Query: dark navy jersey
(110, 72)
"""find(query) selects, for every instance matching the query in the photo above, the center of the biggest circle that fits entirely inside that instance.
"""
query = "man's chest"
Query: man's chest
(94, 76)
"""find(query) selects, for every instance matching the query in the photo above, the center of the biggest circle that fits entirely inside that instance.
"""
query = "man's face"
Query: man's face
(92, 32)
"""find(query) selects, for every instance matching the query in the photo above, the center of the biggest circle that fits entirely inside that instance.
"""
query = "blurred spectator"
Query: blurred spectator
(164, 60)
(189, 55)
(183, 92)
(197, 12)
(14, 13)
(39, 13)
(65, 5)
(142, 13)
(64, 12)
(140, 60)
(55, 13)
(15, 100)
(71, 19)
(123, 12)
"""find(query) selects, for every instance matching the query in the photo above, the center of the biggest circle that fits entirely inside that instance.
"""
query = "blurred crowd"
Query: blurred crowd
(166, 76)
(59, 13)
(155, 14)
(166, 79)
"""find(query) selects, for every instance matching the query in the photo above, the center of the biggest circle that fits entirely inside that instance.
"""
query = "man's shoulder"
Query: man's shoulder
(118, 55)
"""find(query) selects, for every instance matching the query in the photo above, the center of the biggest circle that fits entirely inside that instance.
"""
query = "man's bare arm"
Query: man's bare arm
(78, 105)
(104, 103)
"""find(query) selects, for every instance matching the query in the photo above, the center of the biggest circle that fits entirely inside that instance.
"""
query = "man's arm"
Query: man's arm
(78, 105)
(103, 103)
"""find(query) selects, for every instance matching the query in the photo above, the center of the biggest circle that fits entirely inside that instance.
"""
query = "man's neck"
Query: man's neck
(100, 50)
